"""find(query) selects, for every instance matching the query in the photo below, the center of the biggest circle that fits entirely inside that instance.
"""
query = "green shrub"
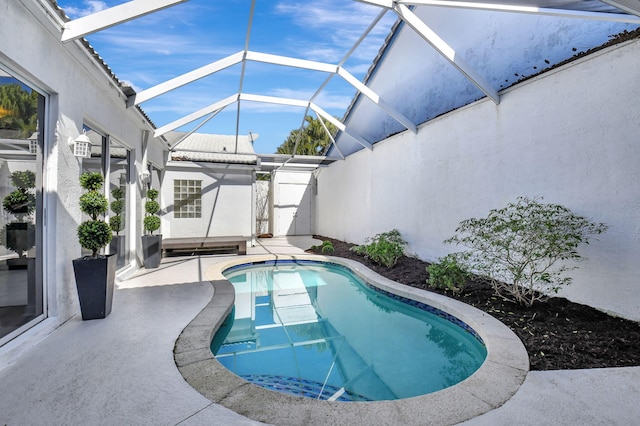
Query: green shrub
(93, 234)
(448, 274)
(327, 247)
(117, 206)
(21, 201)
(151, 221)
(385, 249)
(522, 247)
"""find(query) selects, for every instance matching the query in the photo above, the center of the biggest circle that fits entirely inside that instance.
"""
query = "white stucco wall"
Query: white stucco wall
(79, 91)
(571, 136)
(227, 199)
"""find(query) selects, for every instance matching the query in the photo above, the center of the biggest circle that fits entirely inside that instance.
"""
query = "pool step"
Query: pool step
(301, 387)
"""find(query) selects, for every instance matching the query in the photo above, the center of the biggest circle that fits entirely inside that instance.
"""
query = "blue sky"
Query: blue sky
(168, 43)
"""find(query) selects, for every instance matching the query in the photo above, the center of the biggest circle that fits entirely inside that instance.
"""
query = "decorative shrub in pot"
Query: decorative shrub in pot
(21, 234)
(151, 244)
(117, 246)
(95, 274)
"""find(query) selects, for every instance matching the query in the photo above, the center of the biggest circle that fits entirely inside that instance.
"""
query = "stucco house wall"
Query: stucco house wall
(79, 92)
(571, 135)
(227, 201)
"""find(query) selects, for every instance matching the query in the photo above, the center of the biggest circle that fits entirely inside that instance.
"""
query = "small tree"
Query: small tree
(151, 207)
(117, 206)
(93, 234)
(517, 248)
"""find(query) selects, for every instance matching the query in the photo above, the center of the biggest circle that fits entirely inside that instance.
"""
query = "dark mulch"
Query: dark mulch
(558, 334)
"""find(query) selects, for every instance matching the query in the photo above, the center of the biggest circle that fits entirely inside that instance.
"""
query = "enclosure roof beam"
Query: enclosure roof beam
(115, 15)
(291, 62)
(184, 79)
(560, 13)
(339, 125)
(630, 6)
(211, 109)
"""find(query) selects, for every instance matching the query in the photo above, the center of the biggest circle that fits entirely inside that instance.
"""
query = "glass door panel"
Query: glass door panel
(21, 284)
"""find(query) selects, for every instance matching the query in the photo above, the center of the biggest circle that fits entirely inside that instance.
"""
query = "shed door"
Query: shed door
(295, 209)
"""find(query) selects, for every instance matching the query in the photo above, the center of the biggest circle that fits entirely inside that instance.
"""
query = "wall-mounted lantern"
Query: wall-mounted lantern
(33, 143)
(82, 146)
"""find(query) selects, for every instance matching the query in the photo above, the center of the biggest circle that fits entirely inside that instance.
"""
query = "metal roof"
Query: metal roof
(459, 45)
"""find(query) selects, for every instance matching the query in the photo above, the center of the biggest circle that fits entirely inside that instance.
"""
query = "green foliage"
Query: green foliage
(385, 249)
(311, 140)
(23, 179)
(21, 202)
(115, 222)
(18, 109)
(93, 234)
(151, 207)
(448, 274)
(117, 206)
(523, 248)
(94, 204)
(327, 247)
(91, 181)
(151, 222)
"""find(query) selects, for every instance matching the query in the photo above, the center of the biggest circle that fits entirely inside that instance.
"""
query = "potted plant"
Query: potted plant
(151, 244)
(115, 222)
(21, 234)
(95, 275)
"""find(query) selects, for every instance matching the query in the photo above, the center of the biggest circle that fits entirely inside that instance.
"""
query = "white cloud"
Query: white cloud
(88, 7)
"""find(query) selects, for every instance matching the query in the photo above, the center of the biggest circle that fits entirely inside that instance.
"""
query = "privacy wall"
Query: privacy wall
(571, 135)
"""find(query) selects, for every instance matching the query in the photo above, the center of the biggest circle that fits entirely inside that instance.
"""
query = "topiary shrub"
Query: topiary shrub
(385, 249)
(151, 221)
(21, 202)
(117, 206)
(521, 248)
(93, 234)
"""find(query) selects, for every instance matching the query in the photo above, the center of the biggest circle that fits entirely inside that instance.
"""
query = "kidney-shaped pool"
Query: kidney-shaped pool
(314, 329)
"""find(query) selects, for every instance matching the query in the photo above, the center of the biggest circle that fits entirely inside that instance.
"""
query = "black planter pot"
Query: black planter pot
(94, 280)
(152, 250)
(116, 246)
(21, 236)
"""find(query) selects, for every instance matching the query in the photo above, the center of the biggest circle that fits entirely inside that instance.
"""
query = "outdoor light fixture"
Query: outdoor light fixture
(33, 143)
(82, 146)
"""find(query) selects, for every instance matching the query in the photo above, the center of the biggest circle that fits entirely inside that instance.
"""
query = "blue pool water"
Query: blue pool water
(314, 329)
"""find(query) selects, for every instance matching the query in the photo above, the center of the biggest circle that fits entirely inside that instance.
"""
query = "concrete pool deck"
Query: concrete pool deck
(121, 370)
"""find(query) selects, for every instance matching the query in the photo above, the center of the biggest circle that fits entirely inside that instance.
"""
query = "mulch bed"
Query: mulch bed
(558, 334)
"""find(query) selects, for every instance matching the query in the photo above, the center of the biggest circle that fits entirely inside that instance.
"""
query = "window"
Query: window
(187, 198)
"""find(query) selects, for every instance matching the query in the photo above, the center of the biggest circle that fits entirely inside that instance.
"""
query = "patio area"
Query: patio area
(121, 370)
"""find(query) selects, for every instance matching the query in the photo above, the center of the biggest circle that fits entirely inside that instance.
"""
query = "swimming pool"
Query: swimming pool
(314, 329)
(494, 383)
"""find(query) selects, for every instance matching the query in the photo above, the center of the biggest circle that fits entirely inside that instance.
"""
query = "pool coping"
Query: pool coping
(494, 383)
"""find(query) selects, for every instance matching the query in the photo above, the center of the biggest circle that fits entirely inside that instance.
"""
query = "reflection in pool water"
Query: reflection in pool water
(314, 329)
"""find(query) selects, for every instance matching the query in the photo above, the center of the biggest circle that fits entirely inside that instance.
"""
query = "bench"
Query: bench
(199, 245)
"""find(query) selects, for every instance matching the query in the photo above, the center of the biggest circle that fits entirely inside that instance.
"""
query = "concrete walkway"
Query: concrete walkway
(120, 370)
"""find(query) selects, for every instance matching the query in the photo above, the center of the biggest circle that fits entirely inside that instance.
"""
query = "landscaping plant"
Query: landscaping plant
(327, 247)
(95, 233)
(448, 274)
(21, 202)
(524, 248)
(386, 248)
(151, 220)
(117, 205)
